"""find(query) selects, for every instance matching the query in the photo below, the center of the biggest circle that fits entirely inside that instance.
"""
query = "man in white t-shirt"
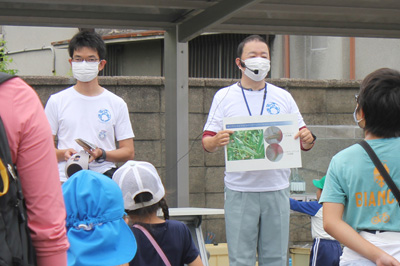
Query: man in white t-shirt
(89, 111)
(256, 202)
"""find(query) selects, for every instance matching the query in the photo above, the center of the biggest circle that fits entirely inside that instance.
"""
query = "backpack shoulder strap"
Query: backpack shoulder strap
(5, 160)
(5, 154)
(6, 164)
(5, 77)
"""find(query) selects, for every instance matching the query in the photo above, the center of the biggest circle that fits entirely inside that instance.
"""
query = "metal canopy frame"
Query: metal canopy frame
(364, 18)
(185, 19)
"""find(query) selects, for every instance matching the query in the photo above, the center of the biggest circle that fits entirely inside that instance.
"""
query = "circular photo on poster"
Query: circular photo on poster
(273, 135)
(274, 152)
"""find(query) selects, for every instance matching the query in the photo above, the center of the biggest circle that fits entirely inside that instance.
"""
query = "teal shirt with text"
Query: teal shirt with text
(353, 180)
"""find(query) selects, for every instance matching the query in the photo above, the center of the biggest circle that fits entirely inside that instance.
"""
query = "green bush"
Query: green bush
(5, 60)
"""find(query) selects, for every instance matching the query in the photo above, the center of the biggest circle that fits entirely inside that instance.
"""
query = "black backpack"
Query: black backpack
(16, 247)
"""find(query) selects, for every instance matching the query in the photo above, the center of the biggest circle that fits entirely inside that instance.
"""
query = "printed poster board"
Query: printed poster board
(262, 143)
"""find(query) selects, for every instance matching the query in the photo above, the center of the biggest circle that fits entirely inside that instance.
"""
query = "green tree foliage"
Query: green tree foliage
(5, 60)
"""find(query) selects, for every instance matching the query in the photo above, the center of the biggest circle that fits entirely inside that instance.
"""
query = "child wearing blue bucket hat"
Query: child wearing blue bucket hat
(325, 249)
(160, 241)
(96, 230)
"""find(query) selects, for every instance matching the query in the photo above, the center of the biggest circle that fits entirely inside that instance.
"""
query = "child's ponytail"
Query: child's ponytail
(164, 207)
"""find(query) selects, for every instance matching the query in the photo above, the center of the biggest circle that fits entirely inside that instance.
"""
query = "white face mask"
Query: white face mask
(85, 71)
(257, 68)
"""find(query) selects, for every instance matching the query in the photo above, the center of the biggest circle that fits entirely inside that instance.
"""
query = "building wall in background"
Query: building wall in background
(210, 56)
(40, 57)
(324, 57)
(374, 53)
(142, 58)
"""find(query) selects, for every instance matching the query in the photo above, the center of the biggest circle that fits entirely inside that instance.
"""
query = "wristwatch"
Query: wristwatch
(102, 157)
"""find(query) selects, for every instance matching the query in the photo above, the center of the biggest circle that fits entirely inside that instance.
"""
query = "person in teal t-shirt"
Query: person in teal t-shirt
(359, 210)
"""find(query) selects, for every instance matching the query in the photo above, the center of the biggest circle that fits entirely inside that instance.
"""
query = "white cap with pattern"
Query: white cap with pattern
(135, 177)
(78, 161)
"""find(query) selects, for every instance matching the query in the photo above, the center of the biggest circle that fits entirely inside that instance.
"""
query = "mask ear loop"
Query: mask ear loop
(355, 116)
(101, 64)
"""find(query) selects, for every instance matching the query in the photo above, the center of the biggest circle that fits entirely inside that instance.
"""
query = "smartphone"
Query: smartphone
(85, 144)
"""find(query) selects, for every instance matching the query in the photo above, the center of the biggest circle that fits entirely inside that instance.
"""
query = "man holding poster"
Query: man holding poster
(256, 202)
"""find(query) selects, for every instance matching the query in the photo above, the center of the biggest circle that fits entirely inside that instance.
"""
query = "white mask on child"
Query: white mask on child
(355, 117)
(85, 71)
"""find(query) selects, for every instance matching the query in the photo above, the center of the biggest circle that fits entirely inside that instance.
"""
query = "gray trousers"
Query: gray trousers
(257, 223)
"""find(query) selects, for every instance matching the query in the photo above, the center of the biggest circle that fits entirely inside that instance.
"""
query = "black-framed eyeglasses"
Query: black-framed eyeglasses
(356, 97)
(89, 60)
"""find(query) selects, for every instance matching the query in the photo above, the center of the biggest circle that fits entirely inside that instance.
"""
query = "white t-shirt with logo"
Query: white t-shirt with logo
(100, 120)
(229, 102)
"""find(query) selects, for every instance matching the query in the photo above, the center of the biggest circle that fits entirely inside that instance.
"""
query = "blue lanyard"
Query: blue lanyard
(245, 100)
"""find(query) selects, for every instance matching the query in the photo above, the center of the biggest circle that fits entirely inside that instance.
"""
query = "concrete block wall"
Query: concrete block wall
(326, 106)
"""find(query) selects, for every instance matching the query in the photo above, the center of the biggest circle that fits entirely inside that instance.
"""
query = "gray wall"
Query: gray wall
(372, 53)
(311, 57)
(326, 105)
(325, 57)
(37, 61)
(319, 57)
(142, 58)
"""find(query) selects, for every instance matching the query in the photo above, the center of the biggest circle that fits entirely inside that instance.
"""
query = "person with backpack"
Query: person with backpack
(159, 241)
(31, 148)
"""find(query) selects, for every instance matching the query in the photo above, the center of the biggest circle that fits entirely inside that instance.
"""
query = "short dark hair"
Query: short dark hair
(379, 98)
(250, 38)
(88, 39)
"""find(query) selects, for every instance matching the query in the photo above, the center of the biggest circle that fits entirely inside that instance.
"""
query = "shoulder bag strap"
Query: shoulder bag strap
(5, 77)
(4, 163)
(154, 243)
(381, 170)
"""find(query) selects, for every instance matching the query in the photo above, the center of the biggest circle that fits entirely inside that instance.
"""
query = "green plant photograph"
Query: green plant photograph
(246, 145)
